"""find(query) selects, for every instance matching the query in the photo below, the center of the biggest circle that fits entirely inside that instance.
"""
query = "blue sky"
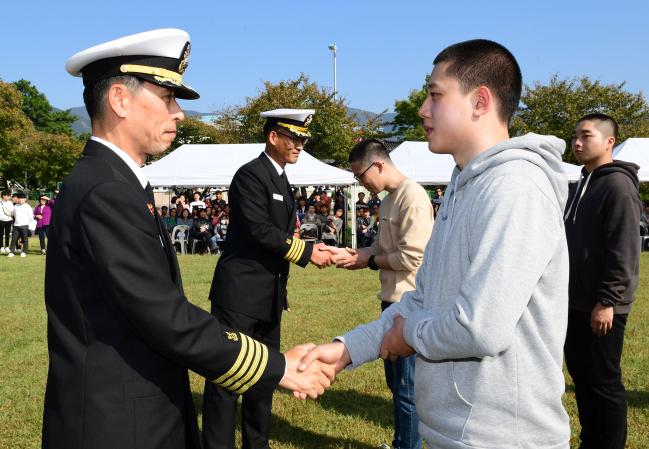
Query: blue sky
(384, 48)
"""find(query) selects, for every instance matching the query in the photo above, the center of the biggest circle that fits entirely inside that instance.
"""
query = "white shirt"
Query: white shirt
(23, 214)
(6, 210)
(196, 204)
(137, 170)
(278, 167)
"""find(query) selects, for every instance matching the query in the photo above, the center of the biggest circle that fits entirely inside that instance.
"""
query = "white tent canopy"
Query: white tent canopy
(415, 160)
(214, 165)
(635, 150)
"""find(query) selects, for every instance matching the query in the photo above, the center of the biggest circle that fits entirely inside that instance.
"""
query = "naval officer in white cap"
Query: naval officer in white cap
(258, 252)
(121, 334)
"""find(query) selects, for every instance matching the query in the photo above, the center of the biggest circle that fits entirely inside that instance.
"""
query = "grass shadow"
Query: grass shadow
(635, 398)
(348, 402)
(285, 432)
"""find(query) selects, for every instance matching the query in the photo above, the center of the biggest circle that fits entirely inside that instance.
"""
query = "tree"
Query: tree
(14, 127)
(407, 122)
(39, 110)
(333, 131)
(555, 108)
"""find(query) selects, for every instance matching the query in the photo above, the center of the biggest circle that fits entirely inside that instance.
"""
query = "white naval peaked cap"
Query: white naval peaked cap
(297, 121)
(159, 56)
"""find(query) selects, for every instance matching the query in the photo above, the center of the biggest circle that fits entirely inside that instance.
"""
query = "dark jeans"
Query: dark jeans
(400, 377)
(5, 231)
(22, 232)
(594, 365)
(42, 233)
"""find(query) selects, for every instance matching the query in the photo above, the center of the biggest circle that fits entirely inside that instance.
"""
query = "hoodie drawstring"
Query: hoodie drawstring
(581, 195)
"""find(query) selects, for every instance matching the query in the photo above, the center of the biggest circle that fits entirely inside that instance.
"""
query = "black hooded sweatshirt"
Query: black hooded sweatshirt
(603, 227)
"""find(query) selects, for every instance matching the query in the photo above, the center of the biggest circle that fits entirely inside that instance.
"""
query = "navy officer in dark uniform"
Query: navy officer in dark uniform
(249, 287)
(121, 334)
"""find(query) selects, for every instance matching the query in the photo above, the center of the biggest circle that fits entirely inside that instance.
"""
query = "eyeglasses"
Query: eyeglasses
(296, 141)
(358, 177)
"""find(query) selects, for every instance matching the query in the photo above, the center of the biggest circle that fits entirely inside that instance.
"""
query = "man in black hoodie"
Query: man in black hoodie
(602, 227)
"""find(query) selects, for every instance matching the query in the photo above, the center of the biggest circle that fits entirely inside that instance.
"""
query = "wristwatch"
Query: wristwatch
(371, 263)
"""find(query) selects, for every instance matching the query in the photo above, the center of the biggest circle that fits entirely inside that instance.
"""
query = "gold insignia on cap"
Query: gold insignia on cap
(232, 336)
(308, 120)
(288, 241)
(184, 60)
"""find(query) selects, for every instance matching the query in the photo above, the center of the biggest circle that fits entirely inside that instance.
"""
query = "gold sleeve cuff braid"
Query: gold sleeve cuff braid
(295, 250)
(247, 368)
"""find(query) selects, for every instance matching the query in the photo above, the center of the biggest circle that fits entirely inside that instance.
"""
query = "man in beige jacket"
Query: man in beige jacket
(405, 224)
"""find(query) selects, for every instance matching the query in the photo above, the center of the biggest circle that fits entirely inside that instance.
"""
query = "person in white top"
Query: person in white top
(23, 214)
(6, 220)
(197, 203)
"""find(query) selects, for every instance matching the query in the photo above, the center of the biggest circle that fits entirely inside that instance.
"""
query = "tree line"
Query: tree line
(38, 146)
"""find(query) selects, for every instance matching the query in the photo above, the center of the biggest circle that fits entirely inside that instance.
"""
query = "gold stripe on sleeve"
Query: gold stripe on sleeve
(243, 369)
(252, 368)
(237, 363)
(261, 368)
(295, 251)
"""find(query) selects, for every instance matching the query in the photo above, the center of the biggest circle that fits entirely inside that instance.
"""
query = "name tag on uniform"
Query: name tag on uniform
(278, 197)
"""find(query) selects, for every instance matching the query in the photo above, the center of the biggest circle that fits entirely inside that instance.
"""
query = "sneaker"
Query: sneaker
(3, 250)
(384, 446)
(10, 255)
(23, 254)
(43, 252)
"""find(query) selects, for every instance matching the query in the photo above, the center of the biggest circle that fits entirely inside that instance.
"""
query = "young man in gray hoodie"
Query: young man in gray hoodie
(488, 317)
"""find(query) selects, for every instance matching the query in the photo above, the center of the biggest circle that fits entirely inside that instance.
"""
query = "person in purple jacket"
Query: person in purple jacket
(43, 213)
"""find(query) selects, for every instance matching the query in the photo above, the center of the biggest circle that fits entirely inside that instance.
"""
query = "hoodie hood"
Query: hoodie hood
(628, 168)
(542, 151)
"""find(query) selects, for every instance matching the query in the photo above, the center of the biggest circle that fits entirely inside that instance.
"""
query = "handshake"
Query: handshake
(324, 256)
(311, 369)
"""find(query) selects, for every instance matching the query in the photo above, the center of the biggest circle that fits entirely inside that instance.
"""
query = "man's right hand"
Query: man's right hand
(309, 382)
(320, 257)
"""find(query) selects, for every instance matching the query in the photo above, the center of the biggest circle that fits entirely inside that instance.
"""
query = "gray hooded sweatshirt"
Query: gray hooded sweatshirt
(489, 313)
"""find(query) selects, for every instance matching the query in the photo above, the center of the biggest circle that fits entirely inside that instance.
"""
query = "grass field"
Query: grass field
(355, 413)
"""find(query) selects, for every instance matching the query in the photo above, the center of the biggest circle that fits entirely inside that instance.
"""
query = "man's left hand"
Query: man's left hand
(601, 319)
(393, 344)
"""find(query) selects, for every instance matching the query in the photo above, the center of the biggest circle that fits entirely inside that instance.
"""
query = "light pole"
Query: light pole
(333, 48)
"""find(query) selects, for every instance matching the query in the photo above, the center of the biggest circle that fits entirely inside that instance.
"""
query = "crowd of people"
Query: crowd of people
(18, 220)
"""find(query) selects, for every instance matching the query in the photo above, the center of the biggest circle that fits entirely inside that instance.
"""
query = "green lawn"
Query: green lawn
(355, 413)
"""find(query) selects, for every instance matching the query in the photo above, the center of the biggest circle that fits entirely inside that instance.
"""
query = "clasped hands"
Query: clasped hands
(311, 369)
(324, 256)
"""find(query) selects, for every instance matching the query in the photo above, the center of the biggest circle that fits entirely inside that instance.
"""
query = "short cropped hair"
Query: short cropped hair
(94, 97)
(5, 193)
(482, 62)
(608, 122)
(368, 151)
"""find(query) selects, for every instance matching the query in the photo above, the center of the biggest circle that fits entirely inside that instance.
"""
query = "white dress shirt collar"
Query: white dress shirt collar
(279, 169)
(137, 170)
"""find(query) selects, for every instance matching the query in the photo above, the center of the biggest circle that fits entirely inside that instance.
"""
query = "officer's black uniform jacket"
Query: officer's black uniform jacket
(251, 275)
(121, 333)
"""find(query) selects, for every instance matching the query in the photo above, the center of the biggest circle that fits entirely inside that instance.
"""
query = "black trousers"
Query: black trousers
(594, 365)
(20, 232)
(5, 233)
(42, 234)
(220, 406)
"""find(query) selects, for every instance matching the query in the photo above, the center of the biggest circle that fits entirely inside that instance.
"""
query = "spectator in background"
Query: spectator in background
(437, 200)
(182, 201)
(331, 231)
(339, 201)
(197, 203)
(310, 216)
(315, 198)
(185, 219)
(43, 214)
(363, 230)
(6, 220)
(325, 199)
(23, 214)
(172, 220)
(201, 231)
(374, 201)
(218, 199)
(301, 208)
(361, 200)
